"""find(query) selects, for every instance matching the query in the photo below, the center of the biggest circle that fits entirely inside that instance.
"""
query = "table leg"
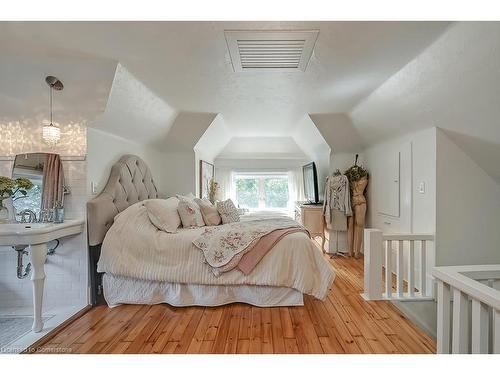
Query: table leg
(38, 254)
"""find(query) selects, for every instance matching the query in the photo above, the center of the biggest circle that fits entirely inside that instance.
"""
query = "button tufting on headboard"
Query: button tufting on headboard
(129, 180)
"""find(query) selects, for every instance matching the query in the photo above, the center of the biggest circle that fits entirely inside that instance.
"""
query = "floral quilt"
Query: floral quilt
(220, 244)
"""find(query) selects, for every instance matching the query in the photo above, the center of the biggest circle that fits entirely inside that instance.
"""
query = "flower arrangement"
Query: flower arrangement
(213, 188)
(355, 173)
(9, 187)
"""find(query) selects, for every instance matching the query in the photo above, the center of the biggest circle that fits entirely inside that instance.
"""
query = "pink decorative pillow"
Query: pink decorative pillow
(190, 214)
(208, 211)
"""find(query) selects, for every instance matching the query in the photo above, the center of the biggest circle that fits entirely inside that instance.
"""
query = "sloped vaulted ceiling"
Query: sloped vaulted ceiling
(454, 85)
(184, 67)
(187, 64)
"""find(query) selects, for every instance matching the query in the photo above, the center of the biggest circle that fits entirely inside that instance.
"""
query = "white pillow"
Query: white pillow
(163, 213)
(228, 211)
(190, 214)
(188, 197)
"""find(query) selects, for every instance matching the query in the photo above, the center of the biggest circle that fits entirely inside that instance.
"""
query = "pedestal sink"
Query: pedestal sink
(36, 236)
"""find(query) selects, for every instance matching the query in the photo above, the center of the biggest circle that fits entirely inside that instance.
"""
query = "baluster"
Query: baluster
(411, 269)
(480, 320)
(423, 269)
(388, 269)
(496, 332)
(400, 270)
(460, 339)
(443, 318)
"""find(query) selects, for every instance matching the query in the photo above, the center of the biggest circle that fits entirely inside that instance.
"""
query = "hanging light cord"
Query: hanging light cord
(50, 96)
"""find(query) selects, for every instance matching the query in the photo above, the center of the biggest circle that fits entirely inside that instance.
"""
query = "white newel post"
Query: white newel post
(373, 254)
(38, 254)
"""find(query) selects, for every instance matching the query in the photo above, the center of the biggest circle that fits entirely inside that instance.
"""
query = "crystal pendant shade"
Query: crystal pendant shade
(51, 134)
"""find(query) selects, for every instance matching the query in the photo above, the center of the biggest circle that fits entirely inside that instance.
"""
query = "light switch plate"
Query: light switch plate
(93, 187)
(421, 187)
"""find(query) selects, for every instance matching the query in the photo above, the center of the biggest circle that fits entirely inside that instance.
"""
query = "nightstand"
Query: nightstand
(311, 217)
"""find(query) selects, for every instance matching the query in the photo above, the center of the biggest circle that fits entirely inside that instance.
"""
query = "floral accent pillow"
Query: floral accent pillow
(228, 211)
(190, 214)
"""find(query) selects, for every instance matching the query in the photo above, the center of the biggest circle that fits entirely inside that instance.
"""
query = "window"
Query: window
(261, 191)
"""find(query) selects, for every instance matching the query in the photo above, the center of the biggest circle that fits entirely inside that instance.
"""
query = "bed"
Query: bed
(132, 262)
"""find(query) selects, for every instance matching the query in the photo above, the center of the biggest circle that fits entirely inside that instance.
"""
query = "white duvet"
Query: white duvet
(135, 248)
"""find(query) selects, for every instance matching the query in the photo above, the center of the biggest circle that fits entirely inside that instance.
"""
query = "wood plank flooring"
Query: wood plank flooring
(343, 323)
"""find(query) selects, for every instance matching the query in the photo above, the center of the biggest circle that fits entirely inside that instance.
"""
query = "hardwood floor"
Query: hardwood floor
(343, 323)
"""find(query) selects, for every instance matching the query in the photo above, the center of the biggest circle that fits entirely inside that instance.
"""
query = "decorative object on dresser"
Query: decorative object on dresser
(207, 173)
(213, 189)
(311, 217)
(358, 180)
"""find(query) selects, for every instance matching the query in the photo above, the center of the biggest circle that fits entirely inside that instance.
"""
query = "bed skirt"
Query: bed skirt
(122, 290)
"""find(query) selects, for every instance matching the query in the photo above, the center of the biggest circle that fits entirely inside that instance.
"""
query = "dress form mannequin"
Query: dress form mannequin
(358, 180)
(356, 223)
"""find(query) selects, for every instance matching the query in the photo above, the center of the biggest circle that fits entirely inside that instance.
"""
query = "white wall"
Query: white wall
(338, 131)
(417, 165)
(315, 147)
(105, 149)
(209, 145)
(417, 210)
(468, 208)
(277, 165)
(345, 160)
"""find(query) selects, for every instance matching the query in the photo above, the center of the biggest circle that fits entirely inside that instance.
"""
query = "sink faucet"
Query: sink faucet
(31, 216)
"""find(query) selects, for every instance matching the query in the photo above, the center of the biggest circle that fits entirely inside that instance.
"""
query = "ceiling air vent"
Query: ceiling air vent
(277, 51)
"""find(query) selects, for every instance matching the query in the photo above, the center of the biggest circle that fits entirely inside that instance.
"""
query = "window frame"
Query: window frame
(261, 177)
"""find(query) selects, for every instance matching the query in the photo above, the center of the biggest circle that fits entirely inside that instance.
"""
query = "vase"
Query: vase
(7, 211)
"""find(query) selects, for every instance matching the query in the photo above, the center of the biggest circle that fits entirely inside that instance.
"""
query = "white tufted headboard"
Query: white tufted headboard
(129, 182)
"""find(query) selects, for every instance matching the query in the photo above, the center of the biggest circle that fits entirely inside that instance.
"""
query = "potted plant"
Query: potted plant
(8, 189)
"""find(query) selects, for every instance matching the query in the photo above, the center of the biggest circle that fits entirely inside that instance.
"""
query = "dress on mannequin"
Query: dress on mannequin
(336, 209)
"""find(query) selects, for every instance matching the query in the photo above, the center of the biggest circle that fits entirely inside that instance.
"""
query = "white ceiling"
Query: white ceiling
(187, 65)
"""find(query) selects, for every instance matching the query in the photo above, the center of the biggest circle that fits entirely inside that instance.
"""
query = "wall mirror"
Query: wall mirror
(46, 173)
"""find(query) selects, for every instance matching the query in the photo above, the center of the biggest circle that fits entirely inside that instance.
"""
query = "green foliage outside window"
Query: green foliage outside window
(276, 192)
(272, 190)
(247, 192)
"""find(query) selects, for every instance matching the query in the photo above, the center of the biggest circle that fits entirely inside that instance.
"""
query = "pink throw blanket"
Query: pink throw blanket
(254, 255)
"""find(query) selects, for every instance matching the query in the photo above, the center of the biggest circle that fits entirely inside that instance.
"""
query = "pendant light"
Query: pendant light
(51, 133)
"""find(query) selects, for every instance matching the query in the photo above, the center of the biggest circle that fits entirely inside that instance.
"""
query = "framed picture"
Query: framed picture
(207, 172)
